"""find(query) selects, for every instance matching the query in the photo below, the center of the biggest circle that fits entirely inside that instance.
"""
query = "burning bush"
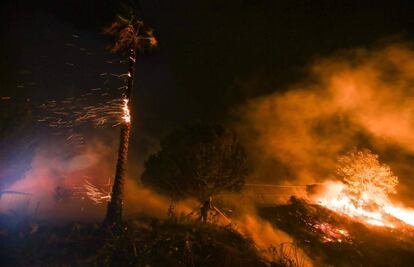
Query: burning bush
(364, 193)
(368, 181)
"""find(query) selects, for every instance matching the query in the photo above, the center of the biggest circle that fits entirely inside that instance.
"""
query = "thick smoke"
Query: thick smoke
(360, 98)
(143, 201)
(56, 179)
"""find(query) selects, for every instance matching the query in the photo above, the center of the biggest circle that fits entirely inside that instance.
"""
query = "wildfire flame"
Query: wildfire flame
(126, 116)
(337, 199)
(364, 193)
(333, 234)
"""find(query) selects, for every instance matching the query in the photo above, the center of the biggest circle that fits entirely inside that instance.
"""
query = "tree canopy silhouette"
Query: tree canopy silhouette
(197, 160)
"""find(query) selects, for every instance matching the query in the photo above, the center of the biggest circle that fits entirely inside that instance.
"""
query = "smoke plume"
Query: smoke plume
(56, 184)
(360, 98)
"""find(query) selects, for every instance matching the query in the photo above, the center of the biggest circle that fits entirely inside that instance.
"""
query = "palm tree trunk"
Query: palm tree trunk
(114, 208)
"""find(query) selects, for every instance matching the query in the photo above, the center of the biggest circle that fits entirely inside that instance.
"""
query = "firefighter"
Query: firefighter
(171, 210)
(205, 210)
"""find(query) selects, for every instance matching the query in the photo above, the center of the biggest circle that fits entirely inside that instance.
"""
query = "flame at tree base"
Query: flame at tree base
(126, 116)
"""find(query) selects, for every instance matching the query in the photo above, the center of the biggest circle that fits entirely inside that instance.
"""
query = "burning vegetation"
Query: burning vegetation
(336, 239)
(349, 220)
(364, 191)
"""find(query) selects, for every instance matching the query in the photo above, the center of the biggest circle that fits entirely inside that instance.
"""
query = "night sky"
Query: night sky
(212, 55)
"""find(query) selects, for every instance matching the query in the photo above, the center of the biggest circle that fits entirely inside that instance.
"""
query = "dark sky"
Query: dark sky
(212, 54)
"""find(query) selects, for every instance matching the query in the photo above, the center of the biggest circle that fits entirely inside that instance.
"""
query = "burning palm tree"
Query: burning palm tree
(130, 37)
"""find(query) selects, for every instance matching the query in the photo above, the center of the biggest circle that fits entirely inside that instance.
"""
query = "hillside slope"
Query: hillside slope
(143, 242)
(333, 239)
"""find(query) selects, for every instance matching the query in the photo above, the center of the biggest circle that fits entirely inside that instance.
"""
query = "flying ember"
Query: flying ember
(97, 195)
(364, 192)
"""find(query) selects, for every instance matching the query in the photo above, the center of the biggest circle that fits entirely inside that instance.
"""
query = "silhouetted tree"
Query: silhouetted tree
(198, 160)
(130, 37)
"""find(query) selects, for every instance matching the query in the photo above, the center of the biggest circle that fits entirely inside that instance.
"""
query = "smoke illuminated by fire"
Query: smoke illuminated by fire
(364, 193)
(355, 98)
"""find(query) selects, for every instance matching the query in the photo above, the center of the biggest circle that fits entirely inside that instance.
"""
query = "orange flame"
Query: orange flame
(364, 193)
(126, 116)
(333, 234)
(385, 214)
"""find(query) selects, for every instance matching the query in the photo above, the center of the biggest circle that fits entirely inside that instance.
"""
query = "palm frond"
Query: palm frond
(130, 33)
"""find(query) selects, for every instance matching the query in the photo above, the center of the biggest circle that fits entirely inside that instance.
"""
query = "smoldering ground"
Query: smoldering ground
(359, 98)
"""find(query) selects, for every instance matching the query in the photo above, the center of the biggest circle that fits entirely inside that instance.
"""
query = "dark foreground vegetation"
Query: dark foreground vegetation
(335, 240)
(142, 242)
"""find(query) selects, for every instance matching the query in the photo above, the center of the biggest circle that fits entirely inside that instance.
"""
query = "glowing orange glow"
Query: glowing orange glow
(126, 116)
(335, 198)
(384, 214)
(332, 234)
(403, 214)
(364, 193)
